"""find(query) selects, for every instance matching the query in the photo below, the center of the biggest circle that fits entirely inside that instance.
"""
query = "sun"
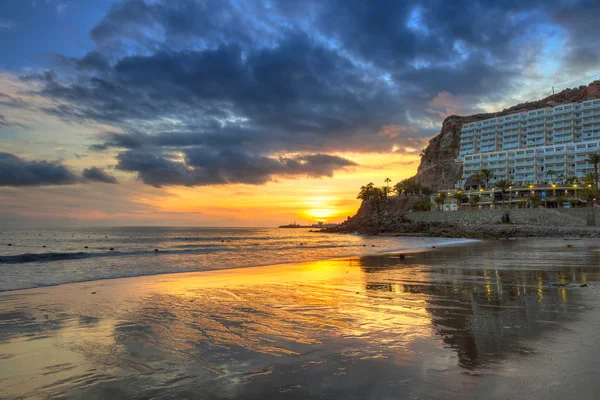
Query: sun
(320, 207)
(321, 213)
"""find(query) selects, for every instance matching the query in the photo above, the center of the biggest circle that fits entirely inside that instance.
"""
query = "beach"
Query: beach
(491, 319)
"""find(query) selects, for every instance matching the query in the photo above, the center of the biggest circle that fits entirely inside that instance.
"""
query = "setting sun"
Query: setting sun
(321, 213)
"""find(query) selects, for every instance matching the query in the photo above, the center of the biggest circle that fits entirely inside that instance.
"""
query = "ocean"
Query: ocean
(48, 257)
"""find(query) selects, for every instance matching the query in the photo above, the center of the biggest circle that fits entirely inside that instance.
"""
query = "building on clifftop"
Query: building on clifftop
(535, 147)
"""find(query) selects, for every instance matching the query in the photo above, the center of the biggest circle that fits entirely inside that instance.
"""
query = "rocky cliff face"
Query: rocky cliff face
(438, 168)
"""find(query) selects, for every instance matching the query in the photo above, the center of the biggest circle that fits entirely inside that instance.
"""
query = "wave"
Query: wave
(46, 257)
(49, 257)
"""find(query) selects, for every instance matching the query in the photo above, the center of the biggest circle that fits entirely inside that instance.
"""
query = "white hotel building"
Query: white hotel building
(523, 147)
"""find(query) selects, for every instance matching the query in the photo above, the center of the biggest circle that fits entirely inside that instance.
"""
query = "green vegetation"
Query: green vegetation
(422, 206)
(387, 189)
(503, 185)
(590, 178)
(535, 200)
(459, 197)
(408, 186)
(571, 180)
(486, 175)
(370, 192)
(440, 200)
(590, 195)
(595, 160)
(474, 201)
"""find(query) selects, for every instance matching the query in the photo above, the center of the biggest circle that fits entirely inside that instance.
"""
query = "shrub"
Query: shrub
(422, 206)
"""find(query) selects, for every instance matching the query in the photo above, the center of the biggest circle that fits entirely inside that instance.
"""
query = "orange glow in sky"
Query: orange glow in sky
(303, 200)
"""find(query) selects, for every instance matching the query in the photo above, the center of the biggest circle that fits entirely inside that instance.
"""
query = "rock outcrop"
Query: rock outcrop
(391, 206)
(400, 225)
(439, 169)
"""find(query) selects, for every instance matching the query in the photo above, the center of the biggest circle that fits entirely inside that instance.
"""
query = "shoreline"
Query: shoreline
(426, 326)
(237, 268)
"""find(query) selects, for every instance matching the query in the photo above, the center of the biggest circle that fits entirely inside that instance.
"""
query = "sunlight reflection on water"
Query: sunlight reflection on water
(361, 326)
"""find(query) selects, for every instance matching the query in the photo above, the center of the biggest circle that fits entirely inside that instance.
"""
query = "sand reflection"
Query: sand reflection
(367, 327)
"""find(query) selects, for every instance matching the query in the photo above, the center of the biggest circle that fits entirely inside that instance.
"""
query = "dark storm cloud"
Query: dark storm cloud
(176, 21)
(297, 87)
(227, 84)
(98, 175)
(15, 171)
(205, 167)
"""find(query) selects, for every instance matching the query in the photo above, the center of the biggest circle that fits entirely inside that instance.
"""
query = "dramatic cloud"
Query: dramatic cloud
(15, 171)
(203, 167)
(201, 93)
(97, 174)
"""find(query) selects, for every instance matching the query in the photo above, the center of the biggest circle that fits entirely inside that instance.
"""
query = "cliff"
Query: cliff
(438, 168)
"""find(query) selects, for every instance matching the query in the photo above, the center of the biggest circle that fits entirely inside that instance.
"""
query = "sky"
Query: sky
(254, 112)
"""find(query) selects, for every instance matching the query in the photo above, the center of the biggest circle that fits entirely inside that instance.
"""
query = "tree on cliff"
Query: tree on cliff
(503, 185)
(387, 189)
(370, 192)
(595, 160)
(485, 175)
(407, 186)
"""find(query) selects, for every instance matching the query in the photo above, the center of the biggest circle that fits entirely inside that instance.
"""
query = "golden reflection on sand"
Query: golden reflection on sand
(276, 311)
(340, 323)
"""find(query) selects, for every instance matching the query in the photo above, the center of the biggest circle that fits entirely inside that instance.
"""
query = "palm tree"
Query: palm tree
(474, 201)
(595, 160)
(535, 200)
(441, 199)
(590, 195)
(367, 192)
(551, 174)
(407, 186)
(387, 189)
(459, 197)
(503, 185)
(486, 175)
(561, 177)
(589, 178)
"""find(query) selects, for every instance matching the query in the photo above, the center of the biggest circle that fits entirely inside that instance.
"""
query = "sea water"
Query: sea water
(46, 257)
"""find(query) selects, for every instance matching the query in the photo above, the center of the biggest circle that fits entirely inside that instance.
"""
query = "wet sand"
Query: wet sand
(498, 319)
